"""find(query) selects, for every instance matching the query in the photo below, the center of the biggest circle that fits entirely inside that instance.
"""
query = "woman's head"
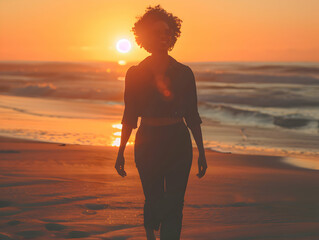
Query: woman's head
(157, 30)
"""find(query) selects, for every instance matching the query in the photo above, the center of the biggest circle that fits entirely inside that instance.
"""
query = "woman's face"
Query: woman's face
(159, 37)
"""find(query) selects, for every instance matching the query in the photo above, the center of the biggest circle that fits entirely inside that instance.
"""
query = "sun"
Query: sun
(123, 45)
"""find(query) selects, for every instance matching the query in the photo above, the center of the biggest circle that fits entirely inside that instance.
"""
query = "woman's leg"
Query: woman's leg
(164, 152)
(148, 163)
(150, 235)
(153, 188)
(176, 178)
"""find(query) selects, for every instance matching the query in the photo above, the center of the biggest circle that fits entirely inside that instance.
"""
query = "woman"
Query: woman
(162, 92)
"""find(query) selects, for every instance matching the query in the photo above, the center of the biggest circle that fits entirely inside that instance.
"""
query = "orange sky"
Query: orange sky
(212, 30)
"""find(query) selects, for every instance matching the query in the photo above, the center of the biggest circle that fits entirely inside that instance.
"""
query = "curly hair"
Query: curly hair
(151, 15)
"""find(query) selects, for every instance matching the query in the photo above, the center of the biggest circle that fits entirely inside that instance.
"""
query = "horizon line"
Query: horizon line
(127, 63)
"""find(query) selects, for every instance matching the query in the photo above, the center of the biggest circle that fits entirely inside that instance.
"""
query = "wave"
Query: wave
(250, 68)
(243, 117)
(21, 110)
(42, 89)
(48, 90)
(255, 78)
(56, 67)
(291, 122)
(294, 69)
(260, 101)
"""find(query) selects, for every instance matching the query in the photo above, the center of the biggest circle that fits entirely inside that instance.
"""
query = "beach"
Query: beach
(61, 191)
(71, 72)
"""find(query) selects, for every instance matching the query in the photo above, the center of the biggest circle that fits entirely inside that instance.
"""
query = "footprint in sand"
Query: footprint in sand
(5, 203)
(96, 206)
(31, 234)
(54, 227)
(5, 237)
(89, 212)
(78, 234)
(92, 207)
(119, 238)
(13, 223)
(9, 211)
(9, 151)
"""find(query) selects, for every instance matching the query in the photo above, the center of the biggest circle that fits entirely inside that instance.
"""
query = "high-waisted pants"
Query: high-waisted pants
(163, 157)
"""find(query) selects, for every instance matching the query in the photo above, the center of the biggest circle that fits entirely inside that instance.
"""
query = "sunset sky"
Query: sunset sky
(212, 30)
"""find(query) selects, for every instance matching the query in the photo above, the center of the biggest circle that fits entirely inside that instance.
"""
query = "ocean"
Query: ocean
(246, 107)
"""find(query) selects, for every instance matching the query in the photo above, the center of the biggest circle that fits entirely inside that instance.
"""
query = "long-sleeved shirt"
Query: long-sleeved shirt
(145, 95)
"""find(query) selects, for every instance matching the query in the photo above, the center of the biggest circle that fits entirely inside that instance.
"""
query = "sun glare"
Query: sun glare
(123, 45)
(121, 62)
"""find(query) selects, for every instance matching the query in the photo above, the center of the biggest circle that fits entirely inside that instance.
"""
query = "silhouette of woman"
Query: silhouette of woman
(162, 91)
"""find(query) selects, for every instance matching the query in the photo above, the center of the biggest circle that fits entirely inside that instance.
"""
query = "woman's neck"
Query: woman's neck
(160, 58)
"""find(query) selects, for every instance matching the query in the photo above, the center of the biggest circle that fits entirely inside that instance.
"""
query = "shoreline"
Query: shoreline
(310, 162)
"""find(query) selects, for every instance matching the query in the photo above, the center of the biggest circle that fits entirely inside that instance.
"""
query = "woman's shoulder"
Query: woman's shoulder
(185, 70)
(132, 72)
(132, 69)
(181, 66)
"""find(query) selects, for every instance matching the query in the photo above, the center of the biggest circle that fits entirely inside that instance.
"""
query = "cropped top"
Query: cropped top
(145, 95)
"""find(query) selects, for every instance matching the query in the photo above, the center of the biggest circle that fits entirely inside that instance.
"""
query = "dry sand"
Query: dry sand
(53, 191)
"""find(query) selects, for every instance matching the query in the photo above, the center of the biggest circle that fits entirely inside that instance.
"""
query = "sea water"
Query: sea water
(251, 107)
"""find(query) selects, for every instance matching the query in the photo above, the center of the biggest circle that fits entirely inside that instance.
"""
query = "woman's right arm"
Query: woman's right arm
(125, 135)
(129, 119)
(120, 160)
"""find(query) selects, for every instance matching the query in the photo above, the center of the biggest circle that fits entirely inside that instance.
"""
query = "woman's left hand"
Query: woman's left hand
(202, 165)
(119, 165)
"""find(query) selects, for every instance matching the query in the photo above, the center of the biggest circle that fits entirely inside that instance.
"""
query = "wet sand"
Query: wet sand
(57, 191)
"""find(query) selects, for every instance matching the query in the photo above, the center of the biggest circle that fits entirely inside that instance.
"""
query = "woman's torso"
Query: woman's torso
(160, 93)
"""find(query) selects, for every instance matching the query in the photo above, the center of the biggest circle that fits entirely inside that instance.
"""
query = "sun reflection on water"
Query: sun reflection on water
(116, 136)
(118, 126)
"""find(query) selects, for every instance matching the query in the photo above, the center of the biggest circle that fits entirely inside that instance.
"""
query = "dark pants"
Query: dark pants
(164, 153)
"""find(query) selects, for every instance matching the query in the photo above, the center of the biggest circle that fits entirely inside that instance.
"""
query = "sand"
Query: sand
(58, 191)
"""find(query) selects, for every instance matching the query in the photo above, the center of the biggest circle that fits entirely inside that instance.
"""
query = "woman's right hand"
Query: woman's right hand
(119, 165)
(202, 165)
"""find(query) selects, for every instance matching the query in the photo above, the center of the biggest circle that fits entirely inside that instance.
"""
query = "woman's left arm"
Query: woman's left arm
(197, 134)
(193, 121)
(202, 164)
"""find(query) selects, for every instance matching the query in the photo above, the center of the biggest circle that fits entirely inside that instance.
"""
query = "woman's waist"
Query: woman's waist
(160, 121)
